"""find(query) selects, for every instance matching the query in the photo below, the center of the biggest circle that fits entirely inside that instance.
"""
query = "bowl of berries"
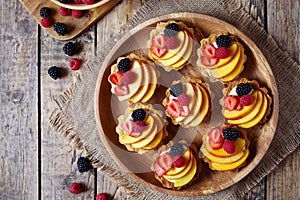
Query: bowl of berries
(80, 4)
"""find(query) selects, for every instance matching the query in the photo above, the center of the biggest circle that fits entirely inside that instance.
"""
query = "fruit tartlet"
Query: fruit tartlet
(187, 102)
(133, 78)
(142, 128)
(221, 57)
(171, 45)
(245, 103)
(225, 149)
(176, 165)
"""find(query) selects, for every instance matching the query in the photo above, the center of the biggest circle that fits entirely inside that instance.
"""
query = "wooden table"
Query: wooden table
(38, 163)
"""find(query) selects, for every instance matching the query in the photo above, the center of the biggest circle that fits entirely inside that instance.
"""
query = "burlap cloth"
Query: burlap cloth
(74, 114)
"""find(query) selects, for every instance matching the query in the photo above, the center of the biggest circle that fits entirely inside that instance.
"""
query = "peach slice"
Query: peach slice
(185, 57)
(253, 112)
(134, 87)
(151, 85)
(237, 70)
(176, 170)
(188, 177)
(237, 114)
(156, 141)
(258, 117)
(224, 160)
(239, 146)
(127, 139)
(204, 108)
(183, 172)
(228, 68)
(230, 166)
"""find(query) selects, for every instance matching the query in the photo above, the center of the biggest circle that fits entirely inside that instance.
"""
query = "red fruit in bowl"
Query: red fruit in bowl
(230, 102)
(215, 138)
(88, 2)
(77, 13)
(209, 51)
(65, 11)
(77, 1)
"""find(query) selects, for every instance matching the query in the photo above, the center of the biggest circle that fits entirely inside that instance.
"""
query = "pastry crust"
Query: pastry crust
(165, 183)
(149, 108)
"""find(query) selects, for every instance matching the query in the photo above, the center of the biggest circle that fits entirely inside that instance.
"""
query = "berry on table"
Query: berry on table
(69, 48)
(54, 72)
(75, 63)
(176, 90)
(171, 30)
(46, 22)
(83, 164)
(223, 41)
(45, 12)
(243, 88)
(231, 134)
(124, 65)
(138, 115)
(177, 150)
(75, 188)
(102, 196)
(60, 28)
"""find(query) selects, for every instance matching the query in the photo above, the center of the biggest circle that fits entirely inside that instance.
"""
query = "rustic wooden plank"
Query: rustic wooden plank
(256, 8)
(283, 25)
(58, 165)
(18, 103)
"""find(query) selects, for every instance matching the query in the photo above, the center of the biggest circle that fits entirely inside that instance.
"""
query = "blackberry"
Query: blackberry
(138, 115)
(171, 30)
(63, 1)
(244, 88)
(54, 72)
(69, 48)
(45, 12)
(231, 134)
(124, 65)
(223, 41)
(177, 150)
(60, 28)
(176, 90)
(83, 164)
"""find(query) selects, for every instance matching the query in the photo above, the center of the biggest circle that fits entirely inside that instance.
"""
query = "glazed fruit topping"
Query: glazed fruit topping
(172, 42)
(128, 78)
(124, 65)
(176, 150)
(121, 90)
(159, 45)
(176, 90)
(174, 109)
(183, 99)
(223, 41)
(165, 161)
(116, 78)
(229, 146)
(222, 52)
(178, 161)
(230, 102)
(159, 170)
(208, 61)
(209, 51)
(231, 134)
(77, 13)
(244, 88)
(215, 138)
(171, 30)
(138, 126)
(246, 100)
(138, 115)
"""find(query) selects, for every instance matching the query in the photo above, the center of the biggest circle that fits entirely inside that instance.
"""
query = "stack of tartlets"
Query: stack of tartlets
(187, 102)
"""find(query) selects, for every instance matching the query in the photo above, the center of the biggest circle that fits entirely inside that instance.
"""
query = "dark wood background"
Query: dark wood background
(35, 161)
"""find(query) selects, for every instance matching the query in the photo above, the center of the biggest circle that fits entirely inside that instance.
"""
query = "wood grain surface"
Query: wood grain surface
(36, 163)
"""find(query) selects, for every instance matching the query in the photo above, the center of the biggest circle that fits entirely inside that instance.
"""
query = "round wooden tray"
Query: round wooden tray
(80, 6)
(108, 108)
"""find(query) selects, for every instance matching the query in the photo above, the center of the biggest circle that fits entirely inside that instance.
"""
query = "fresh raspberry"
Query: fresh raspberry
(64, 11)
(88, 1)
(183, 99)
(178, 161)
(140, 123)
(172, 42)
(102, 196)
(75, 63)
(222, 52)
(246, 100)
(228, 146)
(75, 188)
(77, 1)
(46, 22)
(138, 126)
(77, 13)
(128, 77)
